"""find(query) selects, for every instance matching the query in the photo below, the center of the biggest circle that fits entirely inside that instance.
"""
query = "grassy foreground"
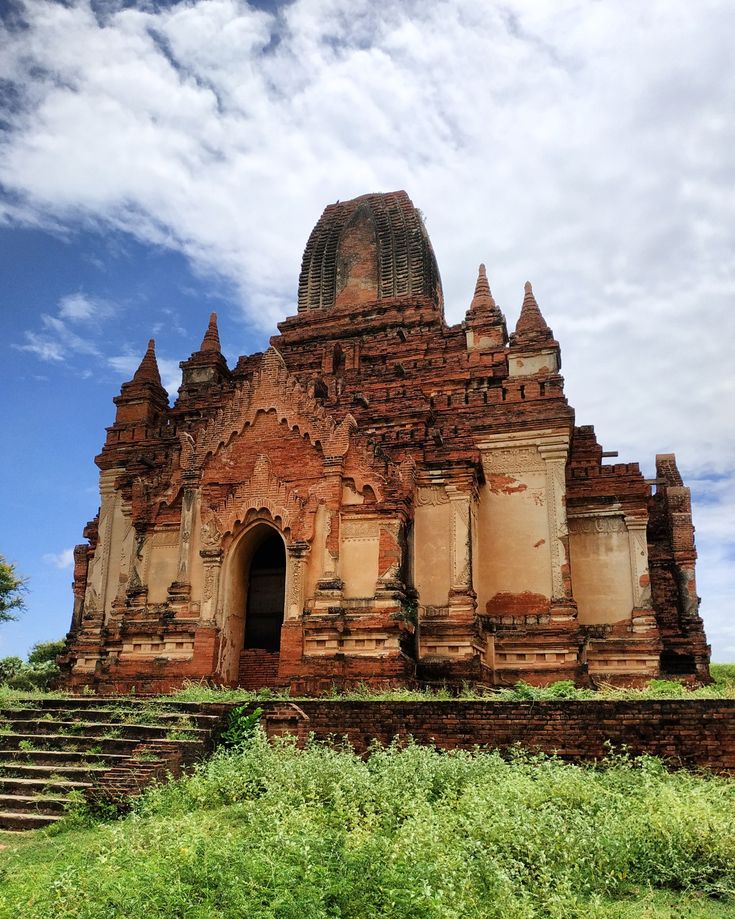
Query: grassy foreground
(271, 831)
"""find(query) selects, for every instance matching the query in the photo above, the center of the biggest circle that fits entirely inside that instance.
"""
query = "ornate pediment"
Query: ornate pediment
(270, 389)
(262, 491)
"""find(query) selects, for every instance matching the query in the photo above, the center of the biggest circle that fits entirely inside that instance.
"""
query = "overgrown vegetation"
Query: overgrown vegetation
(241, 726)
(272, 831)
(722, 688)
(37, 672)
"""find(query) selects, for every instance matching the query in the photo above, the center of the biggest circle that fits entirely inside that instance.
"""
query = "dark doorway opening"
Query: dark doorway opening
(266, 594)
(674, 664)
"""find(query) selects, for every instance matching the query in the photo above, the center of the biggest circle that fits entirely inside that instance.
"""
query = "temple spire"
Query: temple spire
(205, 367)
(211, 341)
(484, 322)
(142, 400)
(147, 371)
(483, 298)
(531, 327)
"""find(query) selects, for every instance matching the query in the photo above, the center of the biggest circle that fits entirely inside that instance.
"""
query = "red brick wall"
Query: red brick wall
(690, 733)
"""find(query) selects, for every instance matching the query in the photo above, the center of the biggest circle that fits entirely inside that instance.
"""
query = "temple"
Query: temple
(378, 498)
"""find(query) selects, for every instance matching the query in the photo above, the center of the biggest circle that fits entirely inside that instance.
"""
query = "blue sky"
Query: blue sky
(160, 160)
(109, 293)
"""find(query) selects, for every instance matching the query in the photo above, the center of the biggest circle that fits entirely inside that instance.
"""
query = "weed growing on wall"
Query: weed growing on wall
(722, 688)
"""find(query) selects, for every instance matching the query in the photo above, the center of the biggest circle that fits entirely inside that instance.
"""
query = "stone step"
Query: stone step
(52, 786)
(26, 820)
(52, 747)
(73, 729)
(65, 742)
(113, 715)
(26, 770)
(115, 702)
(62, 757)
(35, 804)
(81, 742)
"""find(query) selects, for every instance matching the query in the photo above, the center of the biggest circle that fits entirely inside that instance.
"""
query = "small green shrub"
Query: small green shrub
(9, 666)
(241, 726)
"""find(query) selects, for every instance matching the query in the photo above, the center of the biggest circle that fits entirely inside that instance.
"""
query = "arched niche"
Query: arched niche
(254, 607)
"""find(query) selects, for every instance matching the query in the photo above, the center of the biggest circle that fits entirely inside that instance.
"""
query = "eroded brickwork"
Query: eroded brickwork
(442, 516)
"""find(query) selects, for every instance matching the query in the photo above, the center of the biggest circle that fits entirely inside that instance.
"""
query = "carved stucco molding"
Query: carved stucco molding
(606, 524)
(431, 495)
(512, 459)
(351, 528)
(188, 506)
(262, 491)
(273, 389)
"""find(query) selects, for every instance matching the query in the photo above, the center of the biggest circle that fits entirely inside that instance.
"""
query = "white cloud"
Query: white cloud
(80, 307)
(61, 560)
(56, 342)
(586, 145)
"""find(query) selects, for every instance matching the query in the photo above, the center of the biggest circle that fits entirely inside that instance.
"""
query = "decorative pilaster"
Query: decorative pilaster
(180, 589)
(555, 460)
(642, 614)
(137, 591)
(212, 564)
(188, 503)
(462, 598)
(95, 596)
(329, 586)
(295, 570)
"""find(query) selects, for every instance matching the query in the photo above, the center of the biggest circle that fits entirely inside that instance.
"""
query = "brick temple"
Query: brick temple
(379, 497)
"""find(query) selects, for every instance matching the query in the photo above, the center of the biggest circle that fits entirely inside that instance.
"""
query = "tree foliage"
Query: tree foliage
(44, 652)
(11, 591)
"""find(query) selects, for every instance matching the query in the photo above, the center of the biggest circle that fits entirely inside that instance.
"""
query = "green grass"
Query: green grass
(193, 691)
(723, 687)
(272, 831)
(14, 698)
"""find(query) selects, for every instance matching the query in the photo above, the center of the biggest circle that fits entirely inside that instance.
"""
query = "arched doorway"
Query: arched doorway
(266, 579)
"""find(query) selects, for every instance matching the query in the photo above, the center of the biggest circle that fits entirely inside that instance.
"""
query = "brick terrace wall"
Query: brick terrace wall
(690, 733)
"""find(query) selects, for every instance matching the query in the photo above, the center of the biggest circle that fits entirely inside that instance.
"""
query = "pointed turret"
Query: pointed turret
(531, 327)
(206, 367)
(483, 298)
(142, 400)
(533, 348)
(210, 342)
(484, 322)
(147, 371)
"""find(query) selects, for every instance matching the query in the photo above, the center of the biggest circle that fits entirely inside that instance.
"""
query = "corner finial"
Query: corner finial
(482, 298)
(531, 325)
(211, 342)
(148, 369)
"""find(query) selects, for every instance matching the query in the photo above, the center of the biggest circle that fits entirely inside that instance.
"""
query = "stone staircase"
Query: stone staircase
(106, 749)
